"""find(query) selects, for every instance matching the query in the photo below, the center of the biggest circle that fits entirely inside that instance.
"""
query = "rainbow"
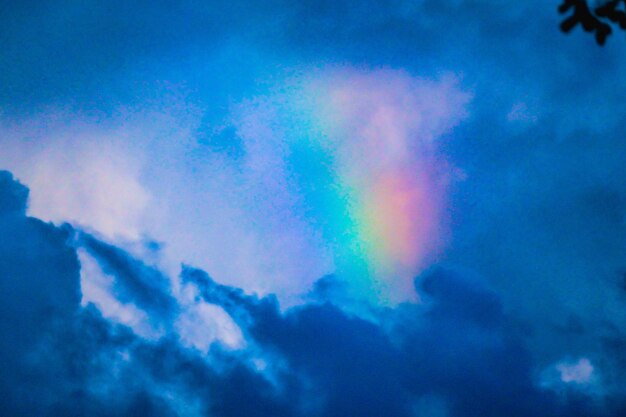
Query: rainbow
(361, 151)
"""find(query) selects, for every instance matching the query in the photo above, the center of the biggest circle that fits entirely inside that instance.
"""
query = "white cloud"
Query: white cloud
(143, 174)
(97, 288)
(80, 172)
(200, 324)
(580, 372)
(520, 113)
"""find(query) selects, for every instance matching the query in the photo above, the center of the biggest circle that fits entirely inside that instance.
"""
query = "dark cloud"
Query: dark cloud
(39, 290)
(56, 355)
(459, 348)
(97, 57)
(540, 215)
(134, 282)
(458, 353)
(13, 195)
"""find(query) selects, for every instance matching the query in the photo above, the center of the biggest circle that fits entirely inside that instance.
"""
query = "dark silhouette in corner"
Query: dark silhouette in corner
(597, 20)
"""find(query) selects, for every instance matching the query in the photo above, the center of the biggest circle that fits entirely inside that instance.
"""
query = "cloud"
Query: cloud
(335, 170)
(570, 377)
(539, 212)
(456, 354)
(83, 173)
(134, 281)
(352, 365)
(53, 351)
(354, 153)
(97, 288)
(579, 372)
(14, 196)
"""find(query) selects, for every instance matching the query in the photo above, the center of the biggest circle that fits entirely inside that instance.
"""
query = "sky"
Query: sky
(310, 209)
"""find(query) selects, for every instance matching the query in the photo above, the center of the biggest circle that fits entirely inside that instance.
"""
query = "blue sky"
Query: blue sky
(241, 208)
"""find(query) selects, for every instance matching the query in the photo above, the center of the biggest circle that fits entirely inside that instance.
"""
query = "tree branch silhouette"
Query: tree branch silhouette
(597, 20)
